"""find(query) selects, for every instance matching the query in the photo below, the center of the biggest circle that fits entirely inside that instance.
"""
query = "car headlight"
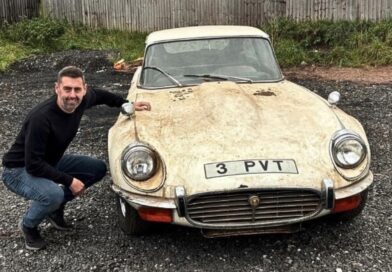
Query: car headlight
(348, 149)
(139, 162)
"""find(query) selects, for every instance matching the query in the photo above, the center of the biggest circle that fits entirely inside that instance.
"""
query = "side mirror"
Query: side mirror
(128, 109)
(334, 98)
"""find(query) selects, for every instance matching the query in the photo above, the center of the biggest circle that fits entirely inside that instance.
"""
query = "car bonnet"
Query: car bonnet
(215, 122)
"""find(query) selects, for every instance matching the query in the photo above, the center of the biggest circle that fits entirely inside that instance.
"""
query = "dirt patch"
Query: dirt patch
(366, 75)
(89, 61)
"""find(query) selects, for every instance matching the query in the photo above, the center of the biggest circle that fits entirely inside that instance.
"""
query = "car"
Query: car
(230, 146)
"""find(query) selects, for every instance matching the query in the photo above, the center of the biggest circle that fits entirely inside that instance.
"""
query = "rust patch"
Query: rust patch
(264, 93)
(181, 94)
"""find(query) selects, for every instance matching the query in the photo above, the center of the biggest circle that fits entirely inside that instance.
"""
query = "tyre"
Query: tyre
(129, 220)
(350, 215)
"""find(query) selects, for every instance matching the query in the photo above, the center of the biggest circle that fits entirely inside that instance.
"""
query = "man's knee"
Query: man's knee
(54, 198)
(100, 170)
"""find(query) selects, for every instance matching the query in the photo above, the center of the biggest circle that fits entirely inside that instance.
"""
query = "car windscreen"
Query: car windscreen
(191, 62)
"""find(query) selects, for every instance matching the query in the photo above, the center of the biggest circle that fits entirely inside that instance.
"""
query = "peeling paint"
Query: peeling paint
(264, 93)
(181, 94)
(268, 92)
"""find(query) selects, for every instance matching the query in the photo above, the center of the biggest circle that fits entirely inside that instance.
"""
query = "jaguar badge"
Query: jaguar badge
(254, 201)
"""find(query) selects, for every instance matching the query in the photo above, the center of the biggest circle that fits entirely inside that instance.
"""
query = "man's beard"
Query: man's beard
(70, 104)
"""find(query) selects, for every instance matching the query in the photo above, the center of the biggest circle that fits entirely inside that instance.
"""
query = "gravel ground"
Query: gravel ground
(97, 243)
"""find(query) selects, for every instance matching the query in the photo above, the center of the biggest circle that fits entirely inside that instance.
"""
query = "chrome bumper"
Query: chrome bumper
(137, 201)
(179, 205)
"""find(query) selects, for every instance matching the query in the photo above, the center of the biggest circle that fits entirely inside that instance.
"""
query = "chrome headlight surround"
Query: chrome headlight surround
(139, 162)
(348, 149)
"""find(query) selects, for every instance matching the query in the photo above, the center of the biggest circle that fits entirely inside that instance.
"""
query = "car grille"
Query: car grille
(234, 208)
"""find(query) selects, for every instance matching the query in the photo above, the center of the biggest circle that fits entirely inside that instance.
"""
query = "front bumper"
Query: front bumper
(179, 206)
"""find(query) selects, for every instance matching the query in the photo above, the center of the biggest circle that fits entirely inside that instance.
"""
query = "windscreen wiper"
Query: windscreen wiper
(164, 73)
(221, 77)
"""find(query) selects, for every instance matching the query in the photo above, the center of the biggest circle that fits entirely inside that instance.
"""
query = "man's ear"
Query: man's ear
(85, 88)
(56, 87)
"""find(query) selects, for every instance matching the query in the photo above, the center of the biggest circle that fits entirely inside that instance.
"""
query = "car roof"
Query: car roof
(199, 32)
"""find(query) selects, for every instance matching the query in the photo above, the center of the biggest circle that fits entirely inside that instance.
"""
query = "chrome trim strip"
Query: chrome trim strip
(328, 194)
(180, 201)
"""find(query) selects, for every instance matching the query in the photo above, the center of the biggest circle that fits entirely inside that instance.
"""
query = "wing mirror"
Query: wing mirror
(334, 98)
(128, 109)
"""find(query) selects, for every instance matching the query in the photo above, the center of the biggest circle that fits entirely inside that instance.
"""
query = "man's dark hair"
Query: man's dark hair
(70, 71)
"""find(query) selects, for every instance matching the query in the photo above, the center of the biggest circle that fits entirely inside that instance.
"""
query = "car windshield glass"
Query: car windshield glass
(191, 62)
(164, 73)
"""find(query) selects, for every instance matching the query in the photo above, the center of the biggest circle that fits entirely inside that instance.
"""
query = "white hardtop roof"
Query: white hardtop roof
(199, 32)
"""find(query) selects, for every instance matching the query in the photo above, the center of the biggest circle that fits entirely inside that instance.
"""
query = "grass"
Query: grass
(129, 44)
(327, 43)
(43, 35)
(10, 52)
(323, 43)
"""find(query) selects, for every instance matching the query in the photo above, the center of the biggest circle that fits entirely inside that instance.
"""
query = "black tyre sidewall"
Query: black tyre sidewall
(131, 223)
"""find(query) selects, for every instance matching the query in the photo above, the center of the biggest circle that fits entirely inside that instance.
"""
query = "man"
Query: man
(36, 168)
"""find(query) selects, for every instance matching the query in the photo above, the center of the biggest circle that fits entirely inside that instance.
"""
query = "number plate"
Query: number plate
(246, 167)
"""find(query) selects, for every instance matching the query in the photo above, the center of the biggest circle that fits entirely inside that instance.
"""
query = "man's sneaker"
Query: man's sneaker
(57, 220)
(33, 239)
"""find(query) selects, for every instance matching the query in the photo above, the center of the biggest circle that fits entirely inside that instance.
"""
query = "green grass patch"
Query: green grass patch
(129, 44)
(11, 52)
(44, 35)
(326, 43)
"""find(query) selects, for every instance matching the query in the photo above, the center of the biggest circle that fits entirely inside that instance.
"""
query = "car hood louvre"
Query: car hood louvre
(214, 121)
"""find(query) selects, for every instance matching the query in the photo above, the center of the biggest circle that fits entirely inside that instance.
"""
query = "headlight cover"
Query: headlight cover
(139, 162)
(348, 149)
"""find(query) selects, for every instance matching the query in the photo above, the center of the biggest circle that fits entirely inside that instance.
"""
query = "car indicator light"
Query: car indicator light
(347, 204)
(156, 214)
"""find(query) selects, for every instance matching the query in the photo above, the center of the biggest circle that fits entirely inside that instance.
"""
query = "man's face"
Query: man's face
(70, 92)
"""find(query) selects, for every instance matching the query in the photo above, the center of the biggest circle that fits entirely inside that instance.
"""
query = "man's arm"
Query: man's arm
(97, 96)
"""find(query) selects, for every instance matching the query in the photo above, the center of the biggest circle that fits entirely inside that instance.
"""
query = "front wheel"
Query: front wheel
(129, 220)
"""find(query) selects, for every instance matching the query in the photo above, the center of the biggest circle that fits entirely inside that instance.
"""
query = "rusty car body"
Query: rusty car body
(231, 147)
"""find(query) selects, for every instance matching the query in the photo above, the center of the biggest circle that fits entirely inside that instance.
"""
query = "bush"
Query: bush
(37, 32)
(342, 43)
(130, 44)
(289, 53)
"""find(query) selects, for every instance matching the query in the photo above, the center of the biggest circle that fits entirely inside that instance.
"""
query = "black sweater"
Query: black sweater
(46, 133)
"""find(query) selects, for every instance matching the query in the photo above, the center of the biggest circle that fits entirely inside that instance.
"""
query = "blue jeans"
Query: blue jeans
(46, 195)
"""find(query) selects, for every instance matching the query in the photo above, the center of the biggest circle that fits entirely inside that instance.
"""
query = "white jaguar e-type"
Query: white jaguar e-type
(230, 146)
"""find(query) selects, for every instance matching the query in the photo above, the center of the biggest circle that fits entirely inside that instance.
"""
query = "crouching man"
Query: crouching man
(36, 168)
